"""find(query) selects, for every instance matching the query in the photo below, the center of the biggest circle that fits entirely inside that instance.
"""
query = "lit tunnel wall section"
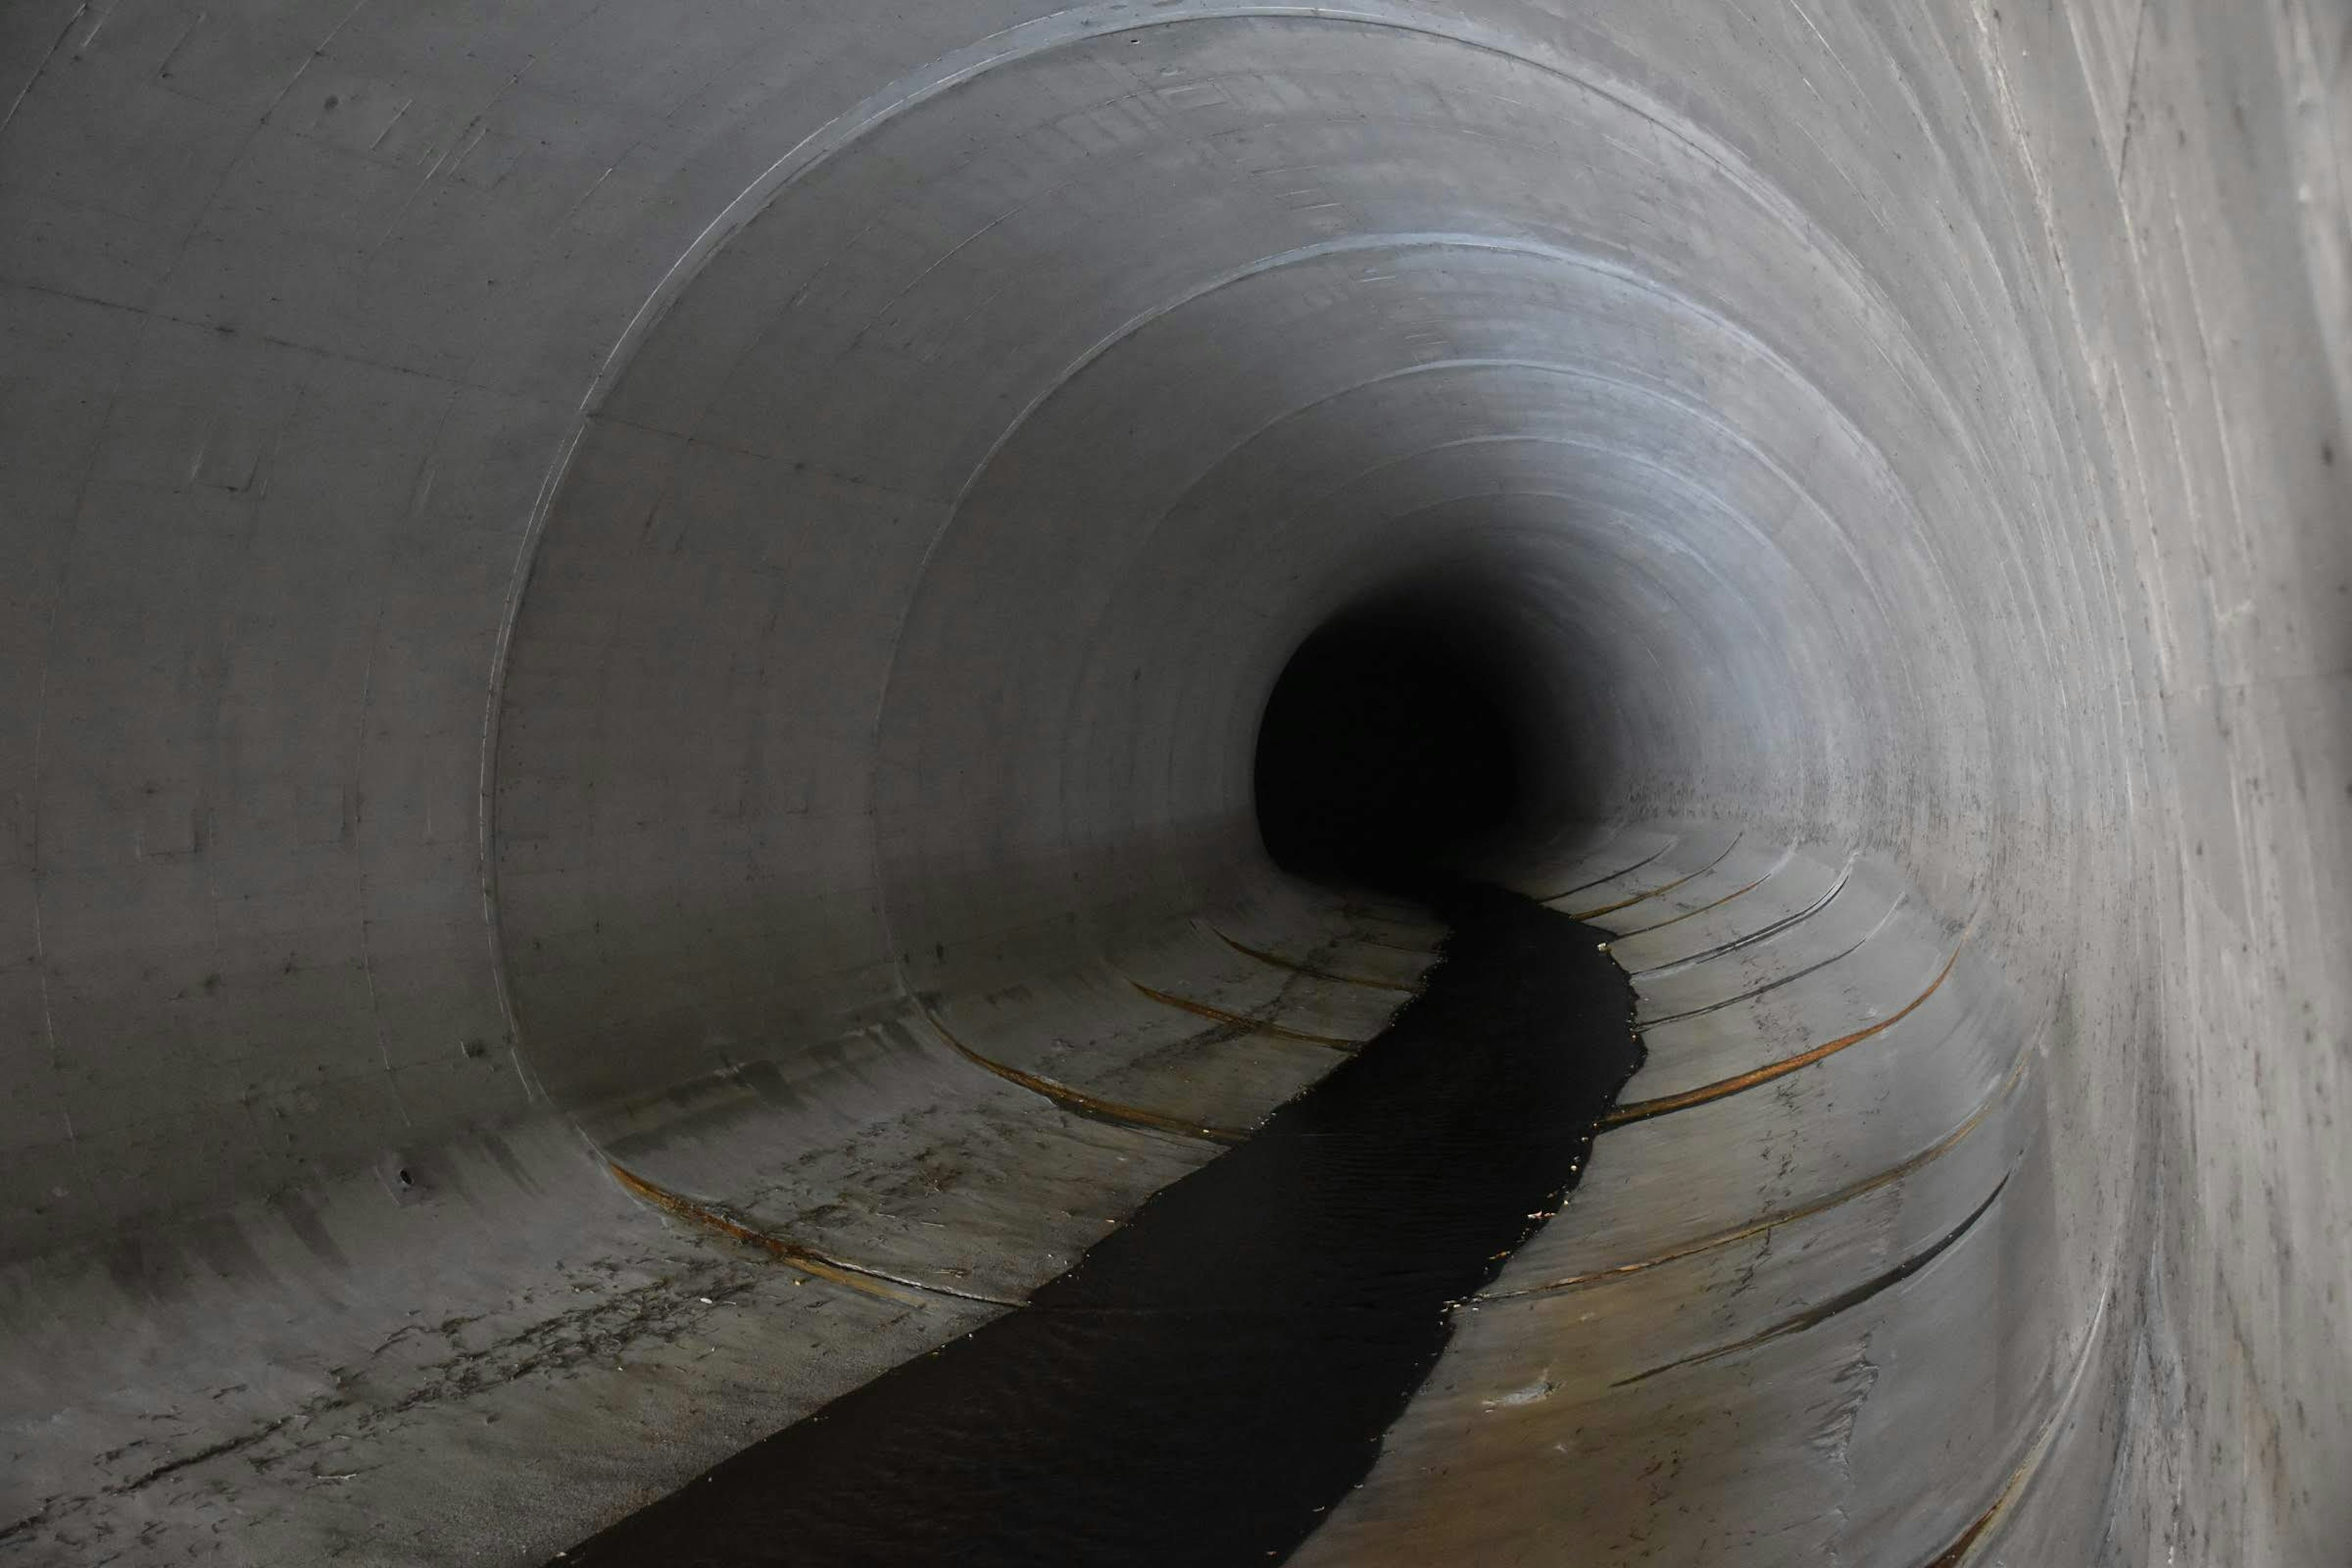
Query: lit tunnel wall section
(1210, 407)
(949, 529)
(1209, 327)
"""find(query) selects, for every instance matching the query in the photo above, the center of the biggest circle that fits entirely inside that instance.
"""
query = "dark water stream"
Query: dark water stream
(1213, 1378)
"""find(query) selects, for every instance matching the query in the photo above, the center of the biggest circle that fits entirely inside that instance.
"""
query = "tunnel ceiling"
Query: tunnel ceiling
(559, 550)
(1067, 396)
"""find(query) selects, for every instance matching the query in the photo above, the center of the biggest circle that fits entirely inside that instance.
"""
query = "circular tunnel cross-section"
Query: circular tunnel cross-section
(687, 691)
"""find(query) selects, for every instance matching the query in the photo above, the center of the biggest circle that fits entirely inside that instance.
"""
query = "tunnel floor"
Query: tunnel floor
(1213, 1376)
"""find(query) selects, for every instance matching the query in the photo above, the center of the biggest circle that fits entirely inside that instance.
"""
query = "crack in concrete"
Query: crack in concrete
(1844, 1301)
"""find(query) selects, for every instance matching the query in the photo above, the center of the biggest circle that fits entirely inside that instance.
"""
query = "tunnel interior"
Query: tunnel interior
(665, 673)
(1390, 742)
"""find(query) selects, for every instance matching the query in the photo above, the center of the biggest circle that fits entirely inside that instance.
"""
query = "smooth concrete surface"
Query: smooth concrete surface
(633, 637)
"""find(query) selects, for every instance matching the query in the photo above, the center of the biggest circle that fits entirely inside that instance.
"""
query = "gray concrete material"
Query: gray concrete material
(1562, 871)
(1889, 1209)
(908, 1163)
(1385, 967)
(526, 1341)
(1692, 856)
(1743, 868)
(557, 554)
(1795, 893)
(1095, 1032)
(1216, 981)
(1813, 943)
(1674, 1468)
(524, 1346)
(1814, 1134)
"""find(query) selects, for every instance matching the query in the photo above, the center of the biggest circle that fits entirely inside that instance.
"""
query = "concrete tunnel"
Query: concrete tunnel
(635, 637)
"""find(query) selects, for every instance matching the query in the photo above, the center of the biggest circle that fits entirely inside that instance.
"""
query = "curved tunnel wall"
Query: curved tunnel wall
(563, 554)
(1218, 411)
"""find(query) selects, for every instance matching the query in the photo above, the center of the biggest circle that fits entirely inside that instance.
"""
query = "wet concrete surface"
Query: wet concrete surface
(1215, 1374)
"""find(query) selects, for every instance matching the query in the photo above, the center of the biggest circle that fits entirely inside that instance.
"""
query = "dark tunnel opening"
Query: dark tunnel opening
(1387, 745)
